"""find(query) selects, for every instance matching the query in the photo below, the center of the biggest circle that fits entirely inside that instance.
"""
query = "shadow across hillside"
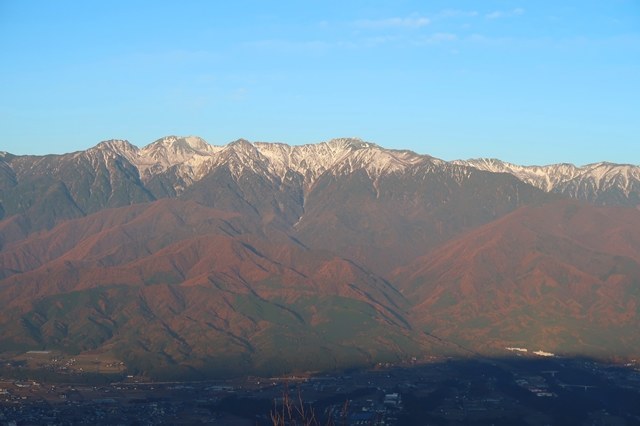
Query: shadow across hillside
(472, 391)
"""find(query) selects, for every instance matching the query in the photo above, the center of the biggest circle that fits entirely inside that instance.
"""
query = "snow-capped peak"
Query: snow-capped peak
(185, 153)
(242, 146)
(338, 156)
(117, 145)
(177, 144)
(543, 177)
(351, 143)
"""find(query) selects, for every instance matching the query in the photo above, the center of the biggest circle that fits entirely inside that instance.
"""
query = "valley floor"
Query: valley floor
(515, 390)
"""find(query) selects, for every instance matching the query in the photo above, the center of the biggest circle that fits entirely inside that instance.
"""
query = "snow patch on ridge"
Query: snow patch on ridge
(191, 158)
(575, 181)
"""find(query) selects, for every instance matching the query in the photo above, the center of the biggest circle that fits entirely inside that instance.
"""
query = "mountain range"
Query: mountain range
(183, 258)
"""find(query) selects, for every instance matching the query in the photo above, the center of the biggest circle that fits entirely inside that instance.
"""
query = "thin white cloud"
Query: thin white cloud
(456, 13)
(240, 94)
(170, 57)
(408, 22)
(290, 45)
(377, 41)
(437, 38)
(497, 14)
(444, 37)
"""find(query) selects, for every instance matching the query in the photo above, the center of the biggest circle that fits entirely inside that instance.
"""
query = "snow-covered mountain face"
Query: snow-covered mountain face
(115, 172)
(191, 158)
(600, 183)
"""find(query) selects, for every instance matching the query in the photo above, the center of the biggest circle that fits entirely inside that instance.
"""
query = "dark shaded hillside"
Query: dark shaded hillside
(393, 219)
(177, 286)
(562, 276)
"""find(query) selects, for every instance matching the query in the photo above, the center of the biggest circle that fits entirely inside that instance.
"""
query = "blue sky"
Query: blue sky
(531, 82)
